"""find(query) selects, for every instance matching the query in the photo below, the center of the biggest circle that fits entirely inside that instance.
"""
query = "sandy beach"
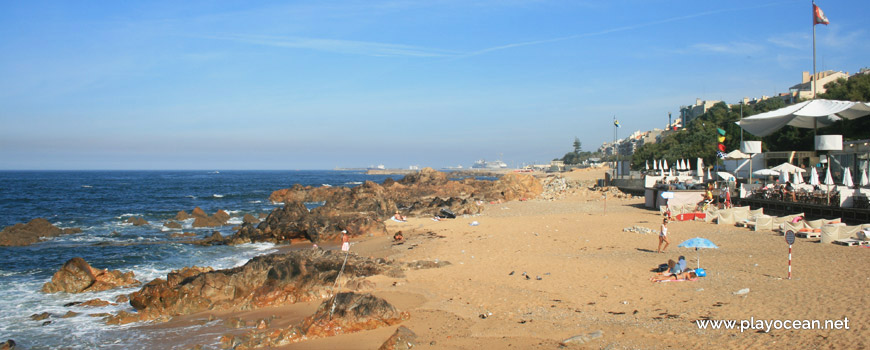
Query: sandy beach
(586, 275)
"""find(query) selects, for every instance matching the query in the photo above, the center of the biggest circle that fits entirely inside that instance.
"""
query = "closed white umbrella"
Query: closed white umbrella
(864, 180)
(847, 178)
(798, 179)
(783, 176)
(828, 179)
(814, 177)
(655, 165)
(646, 164)
(685, 164)
(709, 175)
(700, 168)
(665, 164)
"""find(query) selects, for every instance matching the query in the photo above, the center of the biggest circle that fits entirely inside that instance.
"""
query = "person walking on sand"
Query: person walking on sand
(663, 237)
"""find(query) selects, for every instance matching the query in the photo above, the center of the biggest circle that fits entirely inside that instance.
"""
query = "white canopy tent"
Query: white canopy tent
(808, 114)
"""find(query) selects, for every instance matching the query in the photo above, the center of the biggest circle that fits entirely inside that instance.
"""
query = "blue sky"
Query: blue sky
(318, 85)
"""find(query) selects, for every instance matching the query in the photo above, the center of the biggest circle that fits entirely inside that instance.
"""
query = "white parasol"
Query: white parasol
(814, 177)
(864, 181)
(847, 178)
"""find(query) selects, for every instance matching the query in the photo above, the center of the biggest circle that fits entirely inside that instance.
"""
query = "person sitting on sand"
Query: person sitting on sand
(663, 237)
(399, 217)
(398, 237)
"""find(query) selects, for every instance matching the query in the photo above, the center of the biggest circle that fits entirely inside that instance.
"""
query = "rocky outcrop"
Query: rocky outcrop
(77, 276)
(350, 313)
(32, 232)
(172, 225)
(136, 221)
(361, 209)
(201, 219)
(269, 280)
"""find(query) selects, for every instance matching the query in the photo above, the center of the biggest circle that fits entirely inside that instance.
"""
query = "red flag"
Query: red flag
(819, 16)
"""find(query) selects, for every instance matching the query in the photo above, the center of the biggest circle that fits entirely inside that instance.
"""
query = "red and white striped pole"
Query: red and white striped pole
(789, 261)
(789, 238)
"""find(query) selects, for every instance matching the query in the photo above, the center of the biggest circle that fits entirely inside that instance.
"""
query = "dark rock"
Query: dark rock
(40, 317)
(77, 276)
(70, 314)
(32, 232)
(402, 339)
(182, 215)
(198, 212)
(426, 264)
(123, 298)
(7, 345)
(182, 234)
(172, 225)
(136, 221)
(95, 303)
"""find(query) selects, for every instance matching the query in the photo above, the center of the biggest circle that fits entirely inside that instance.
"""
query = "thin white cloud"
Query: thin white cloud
(617, 29)
(734, 48)
(366, 48)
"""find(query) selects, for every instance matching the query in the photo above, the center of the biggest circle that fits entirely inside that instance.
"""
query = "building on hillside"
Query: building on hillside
(689, 113)
(804, 90)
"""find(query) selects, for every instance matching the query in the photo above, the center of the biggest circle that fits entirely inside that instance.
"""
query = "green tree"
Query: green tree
(577, 145)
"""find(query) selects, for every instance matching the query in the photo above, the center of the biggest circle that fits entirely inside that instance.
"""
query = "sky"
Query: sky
(316, 85)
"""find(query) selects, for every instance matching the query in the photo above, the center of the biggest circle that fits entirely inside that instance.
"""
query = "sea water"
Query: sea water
(100, 202)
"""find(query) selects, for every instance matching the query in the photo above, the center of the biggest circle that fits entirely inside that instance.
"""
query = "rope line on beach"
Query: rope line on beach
(334, 295)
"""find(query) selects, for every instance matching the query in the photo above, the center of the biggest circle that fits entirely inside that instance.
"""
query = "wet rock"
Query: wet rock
(40, 317)
(7, 345)
(269, 280)
(360, 284)
(78, 276)
(198, 212)
(69, 314)
(402, 339)
(32, 232)
(95, 303)
(172, 224)
(136, 221)
(123, 298)
(182, 215)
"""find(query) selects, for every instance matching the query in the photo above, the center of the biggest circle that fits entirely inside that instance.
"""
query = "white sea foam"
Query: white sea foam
(87, 186)
(218, 195)
(255, 202)
(235, 221)
(326, 185)
(353, 183)
(190, 196)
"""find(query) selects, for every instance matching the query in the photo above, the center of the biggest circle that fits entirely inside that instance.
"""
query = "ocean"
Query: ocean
(99, 202)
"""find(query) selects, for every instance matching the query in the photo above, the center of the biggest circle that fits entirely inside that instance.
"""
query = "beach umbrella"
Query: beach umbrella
(789, 167)
(685, 164)
(671, 172)
(864, 181)
(847, 178)
(698, 243)
(783, 176)
(814, 177)
(765, 172)
(655, 165)
(798, 179)
(828, 179)
(709, 175)
(665, 164)
(700, 168)
(646, 164)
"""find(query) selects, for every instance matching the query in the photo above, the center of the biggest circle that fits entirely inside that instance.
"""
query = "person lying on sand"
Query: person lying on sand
(686, 276)
(399, 217)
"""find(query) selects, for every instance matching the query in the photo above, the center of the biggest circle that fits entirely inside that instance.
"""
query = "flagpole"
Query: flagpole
(813, 81)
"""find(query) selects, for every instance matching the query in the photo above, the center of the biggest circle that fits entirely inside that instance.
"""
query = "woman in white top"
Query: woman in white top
(663, 237)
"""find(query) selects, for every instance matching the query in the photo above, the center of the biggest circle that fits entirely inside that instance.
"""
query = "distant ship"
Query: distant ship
(482, 164)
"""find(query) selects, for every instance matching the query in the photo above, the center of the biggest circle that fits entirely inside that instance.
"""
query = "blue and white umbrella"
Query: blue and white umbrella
(698, 243)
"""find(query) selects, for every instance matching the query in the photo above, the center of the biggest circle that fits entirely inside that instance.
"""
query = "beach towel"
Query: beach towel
(679, 280)
(397, 220)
